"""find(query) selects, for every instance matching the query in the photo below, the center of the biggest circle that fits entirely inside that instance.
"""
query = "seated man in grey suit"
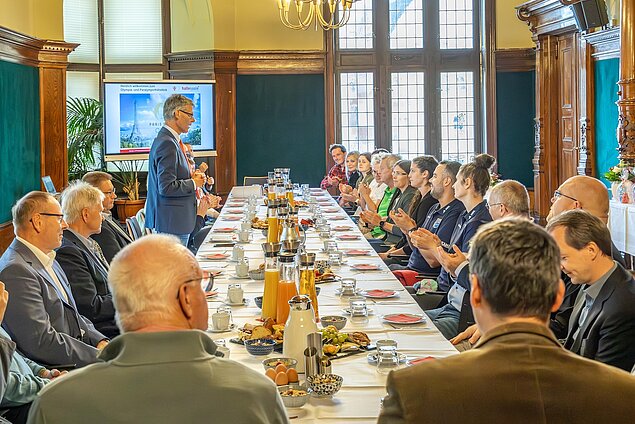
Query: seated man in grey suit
(163, 368)
(42, 318)
(518, 372)
(81, 258)
(602, 324)
(112, 238)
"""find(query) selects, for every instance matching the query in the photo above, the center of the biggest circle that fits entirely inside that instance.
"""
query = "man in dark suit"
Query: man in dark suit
(81, 258)
(518, 372)
(42, 318)
(602, 325)
(112, 237)
(171, 202)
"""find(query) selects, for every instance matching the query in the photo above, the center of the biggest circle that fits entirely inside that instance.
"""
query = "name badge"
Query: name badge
(437, 223)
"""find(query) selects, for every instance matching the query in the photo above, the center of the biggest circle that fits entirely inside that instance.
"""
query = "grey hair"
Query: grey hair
(95, 178)
(145, 277)
(377, 158)
(78, 196)
(174, 103)
(353, 154)
(517, 264)
(29, 204)
(391, 160)
(513, 195)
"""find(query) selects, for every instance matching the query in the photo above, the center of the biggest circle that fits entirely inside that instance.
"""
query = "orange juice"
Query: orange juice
(271, 195)
(307, 286)
(286, 290)
(273, 234)
(290, 198)
(270, 296)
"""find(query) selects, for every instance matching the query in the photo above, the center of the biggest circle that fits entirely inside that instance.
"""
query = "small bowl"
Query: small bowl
(274, 362)
(293, 401)
(258, 301)
(257, 274)
(259, 347)
(336, 321)
(324, 384)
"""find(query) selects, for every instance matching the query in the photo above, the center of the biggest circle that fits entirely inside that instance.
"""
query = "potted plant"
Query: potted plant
(85, 129)
(621, 177)
(128, 177)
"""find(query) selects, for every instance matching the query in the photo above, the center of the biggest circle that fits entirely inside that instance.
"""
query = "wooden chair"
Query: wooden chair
(248, 181)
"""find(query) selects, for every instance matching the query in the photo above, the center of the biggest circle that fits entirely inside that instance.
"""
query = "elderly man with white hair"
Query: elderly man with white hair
(163, 368)
(81, 257)
(42, 317)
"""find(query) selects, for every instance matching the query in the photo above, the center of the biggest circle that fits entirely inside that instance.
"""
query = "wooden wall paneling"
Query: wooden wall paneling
(226, 132)
(489, 77)
(515, 60)
(586, 151)
(567, 102)
(626, 99)
(6, 236)
(329, 96)
(546, 152)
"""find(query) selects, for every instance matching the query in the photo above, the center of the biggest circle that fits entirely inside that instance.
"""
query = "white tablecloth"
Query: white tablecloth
(359, 399)
(622, 225)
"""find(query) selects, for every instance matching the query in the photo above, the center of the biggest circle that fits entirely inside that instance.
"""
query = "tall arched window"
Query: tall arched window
(407, 78)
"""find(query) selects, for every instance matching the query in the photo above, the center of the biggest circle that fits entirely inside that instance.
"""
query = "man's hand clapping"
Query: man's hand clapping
(402, 220)
(424, 239)
(450, 261)
(370, 218)
(199, 178)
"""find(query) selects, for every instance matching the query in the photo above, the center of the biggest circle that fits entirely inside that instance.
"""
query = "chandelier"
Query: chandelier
(309, 11)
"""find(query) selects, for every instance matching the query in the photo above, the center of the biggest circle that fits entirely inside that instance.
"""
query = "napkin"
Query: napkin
(418, 360)
(380, 293)
(402, 318)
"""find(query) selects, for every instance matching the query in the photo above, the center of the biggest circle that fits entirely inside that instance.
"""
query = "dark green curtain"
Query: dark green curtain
(606, 76)
(19, 134)
(280, 124)
(515, 111)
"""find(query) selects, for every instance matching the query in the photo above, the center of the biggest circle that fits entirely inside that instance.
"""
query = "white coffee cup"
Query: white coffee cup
(220, 321)
(245, 225)
(235, 293)
(242, 268)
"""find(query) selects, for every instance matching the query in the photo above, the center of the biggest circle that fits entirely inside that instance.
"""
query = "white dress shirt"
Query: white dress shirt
(47, 259)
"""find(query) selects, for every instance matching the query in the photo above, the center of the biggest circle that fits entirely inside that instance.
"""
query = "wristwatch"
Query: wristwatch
(381, 224)
(412, 230)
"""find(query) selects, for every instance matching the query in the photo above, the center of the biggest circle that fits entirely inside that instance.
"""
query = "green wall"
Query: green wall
(280, 124)
(19, 134)
(606, 75)
(515, 111)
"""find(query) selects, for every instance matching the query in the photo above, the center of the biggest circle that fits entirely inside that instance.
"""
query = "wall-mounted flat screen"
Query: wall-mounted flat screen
(133, 115)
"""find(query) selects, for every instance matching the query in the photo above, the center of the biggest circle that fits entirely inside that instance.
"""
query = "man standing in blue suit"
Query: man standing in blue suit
(172, 187)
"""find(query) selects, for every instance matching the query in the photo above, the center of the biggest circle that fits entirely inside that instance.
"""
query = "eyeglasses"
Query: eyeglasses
(557, 194)
(490, 205)
(207, 281)
(191, 115)
(59, 216)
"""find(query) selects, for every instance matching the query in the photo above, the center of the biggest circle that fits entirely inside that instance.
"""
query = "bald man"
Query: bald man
(163, 368)
(578, 192)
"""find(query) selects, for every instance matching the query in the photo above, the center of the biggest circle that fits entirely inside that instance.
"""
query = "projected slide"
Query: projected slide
(134, 115)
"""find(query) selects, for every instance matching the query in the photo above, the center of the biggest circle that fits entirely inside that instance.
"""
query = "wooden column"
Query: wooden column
(626, 101)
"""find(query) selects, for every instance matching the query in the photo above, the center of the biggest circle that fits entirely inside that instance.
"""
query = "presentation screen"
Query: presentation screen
(133, 115)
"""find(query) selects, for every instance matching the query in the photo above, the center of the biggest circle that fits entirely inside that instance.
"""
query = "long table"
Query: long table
(359, 399)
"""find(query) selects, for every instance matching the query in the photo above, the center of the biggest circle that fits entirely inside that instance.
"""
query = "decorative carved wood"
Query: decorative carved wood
(604, 44)
(51, 57)
(626, 100)
(515, 60)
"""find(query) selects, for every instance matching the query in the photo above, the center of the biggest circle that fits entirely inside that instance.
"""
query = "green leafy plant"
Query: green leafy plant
(128, 176)
(619, 172)
(85, 129)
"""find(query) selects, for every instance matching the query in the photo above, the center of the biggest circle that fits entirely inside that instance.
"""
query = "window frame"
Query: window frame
(383, 61)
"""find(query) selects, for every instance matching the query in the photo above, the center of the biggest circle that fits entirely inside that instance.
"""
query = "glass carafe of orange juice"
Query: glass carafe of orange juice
(283, 213)
(307, 280)
(281, 192)
(273, 233)
(289, 188)
(272, 276)
(286, 286)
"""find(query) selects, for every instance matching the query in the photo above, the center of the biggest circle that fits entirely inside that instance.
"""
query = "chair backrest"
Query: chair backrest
(134, 229)
(247, 181)
(141, 220)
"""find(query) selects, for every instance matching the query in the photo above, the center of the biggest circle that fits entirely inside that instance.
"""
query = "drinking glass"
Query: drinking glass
(348, 286)
(357, 305)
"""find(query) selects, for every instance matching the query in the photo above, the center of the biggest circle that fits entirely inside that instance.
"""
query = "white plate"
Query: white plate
(421, 319)
(365, 293)
(372, 358)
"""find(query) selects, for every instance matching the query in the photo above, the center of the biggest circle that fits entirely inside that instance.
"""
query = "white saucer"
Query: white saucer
(372, 358)
(357, 292)
(245, 302)
(231, 328)
(347, 311)
(246, 277)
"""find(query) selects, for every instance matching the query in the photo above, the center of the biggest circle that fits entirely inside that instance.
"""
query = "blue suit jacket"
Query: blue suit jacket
(46, 328)
(171, 202)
